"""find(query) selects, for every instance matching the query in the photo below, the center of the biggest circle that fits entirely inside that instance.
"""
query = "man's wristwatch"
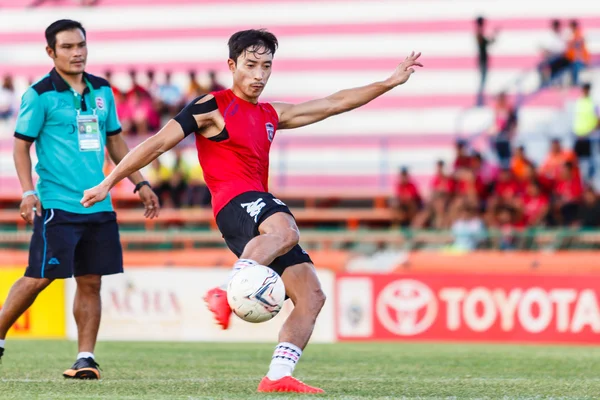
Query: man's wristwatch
(139, 186)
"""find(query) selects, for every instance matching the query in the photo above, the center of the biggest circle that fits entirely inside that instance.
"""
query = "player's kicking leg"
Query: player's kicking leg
(303, 288)
(270, 237)
(257, 238)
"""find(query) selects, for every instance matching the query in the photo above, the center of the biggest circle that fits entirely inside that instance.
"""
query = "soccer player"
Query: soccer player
(71, 117)
(233, 133)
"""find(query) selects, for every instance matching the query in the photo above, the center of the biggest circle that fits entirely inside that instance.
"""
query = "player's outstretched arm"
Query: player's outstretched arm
(195, 117)
(142, 155)
(297, 115)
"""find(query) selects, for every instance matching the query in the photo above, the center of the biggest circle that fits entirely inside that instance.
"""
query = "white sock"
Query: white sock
(284, 361)
(2, 341)
(237, 267)
(85, 354)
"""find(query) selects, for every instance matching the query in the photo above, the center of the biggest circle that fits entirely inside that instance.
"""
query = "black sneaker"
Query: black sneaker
(1, 354)
(84, 368)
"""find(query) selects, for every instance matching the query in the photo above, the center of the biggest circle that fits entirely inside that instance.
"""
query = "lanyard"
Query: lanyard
(77, 99)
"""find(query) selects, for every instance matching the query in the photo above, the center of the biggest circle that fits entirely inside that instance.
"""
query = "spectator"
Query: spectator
(408, 200)
(589, 212)
(463, 159)
(159, 175)
(504, 193)
(519, 163)
(469, 186)
(136, 88)
(534, 205)
(503, 130)
(585, 122)
(143, 115)
(108, 76)
(434, 214)
(194, 89)
(7, 99)
(169, 96)
(214, 85)
(485, 171)
(470, 191)
(177, 183)
(124, 111)
(442, 183)
(553, 54)
(483, 42)
(552, 166)
(198, 193)
(567, 195)
(506, 238)
(577, 52)
(151, 86)
(506, 187)
(468, 229)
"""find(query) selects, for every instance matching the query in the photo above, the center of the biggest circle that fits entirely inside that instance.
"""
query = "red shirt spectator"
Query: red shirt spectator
(569, 190)
(535, 205)
(486, 171)
(506, 187)
(568, 186)
(406, 190)
(441, 182)
(463, 159)
(469, 185)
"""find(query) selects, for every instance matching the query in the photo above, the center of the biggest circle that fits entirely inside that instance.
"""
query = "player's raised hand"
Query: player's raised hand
(406, 68)
(94, 195)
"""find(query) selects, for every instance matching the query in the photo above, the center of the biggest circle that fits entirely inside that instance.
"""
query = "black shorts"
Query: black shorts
(239, 220)
(65, 244)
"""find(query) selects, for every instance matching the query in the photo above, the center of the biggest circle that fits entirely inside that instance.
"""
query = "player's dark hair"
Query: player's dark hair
(258, 41)
(60, 26)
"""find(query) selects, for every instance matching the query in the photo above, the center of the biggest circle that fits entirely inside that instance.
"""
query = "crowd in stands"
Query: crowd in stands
(180, 184)
(144, 108)
(561, 51)
(473, 195)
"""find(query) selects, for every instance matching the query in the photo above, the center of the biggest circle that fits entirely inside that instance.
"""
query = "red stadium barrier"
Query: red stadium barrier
(459, 307)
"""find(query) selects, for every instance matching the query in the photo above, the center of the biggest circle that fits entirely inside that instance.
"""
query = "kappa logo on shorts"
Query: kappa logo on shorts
(54, 261)
(254, 208)
(270, 131)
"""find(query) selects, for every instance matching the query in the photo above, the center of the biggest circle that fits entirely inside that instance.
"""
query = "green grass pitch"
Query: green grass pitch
(134, 370)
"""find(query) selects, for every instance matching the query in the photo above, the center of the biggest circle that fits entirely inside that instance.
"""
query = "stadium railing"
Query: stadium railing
(328, 238)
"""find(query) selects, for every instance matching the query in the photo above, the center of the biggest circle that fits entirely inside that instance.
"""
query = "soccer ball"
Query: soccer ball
(256, 293)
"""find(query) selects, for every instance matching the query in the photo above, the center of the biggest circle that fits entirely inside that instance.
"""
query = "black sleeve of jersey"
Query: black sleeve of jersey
(186, 119)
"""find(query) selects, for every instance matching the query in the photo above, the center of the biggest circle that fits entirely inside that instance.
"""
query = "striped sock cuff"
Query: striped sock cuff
(287, 352)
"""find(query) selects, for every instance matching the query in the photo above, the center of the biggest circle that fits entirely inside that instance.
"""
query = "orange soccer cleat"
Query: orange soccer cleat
(287, 384)
(216, 301)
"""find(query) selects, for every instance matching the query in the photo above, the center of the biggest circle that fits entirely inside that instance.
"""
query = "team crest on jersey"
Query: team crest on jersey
(100, 103)
(270, 131)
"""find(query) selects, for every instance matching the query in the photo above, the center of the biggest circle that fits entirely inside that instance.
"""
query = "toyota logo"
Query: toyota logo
(406, 307)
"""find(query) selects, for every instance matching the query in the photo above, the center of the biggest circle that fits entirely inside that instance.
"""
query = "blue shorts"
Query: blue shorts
(66, 244)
